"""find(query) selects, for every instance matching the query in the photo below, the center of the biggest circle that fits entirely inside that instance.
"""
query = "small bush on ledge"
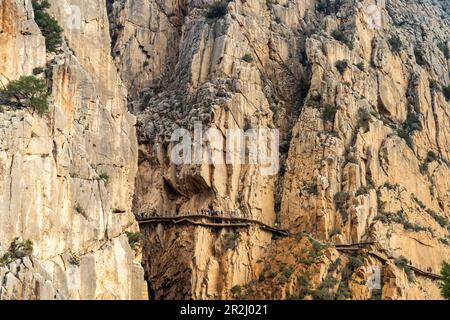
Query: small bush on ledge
(341, 65)
(104, 177)
(74, 260)
(395, 43)
(329, 113)
(28, 92)
(446, 92)
(247, 58)
(134, 239)
(341, 37)
(217, 9)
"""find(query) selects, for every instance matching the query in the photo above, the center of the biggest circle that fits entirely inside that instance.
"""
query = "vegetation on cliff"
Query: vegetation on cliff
(28, 92)
(49, 26)
(445, 285)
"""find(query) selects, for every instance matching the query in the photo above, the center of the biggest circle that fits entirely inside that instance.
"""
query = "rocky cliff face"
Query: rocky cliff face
(355, 88)
(67, 178)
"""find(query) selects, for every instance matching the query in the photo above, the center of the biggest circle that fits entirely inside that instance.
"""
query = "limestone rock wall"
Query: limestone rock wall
(363, 133)
(67, 178)
(187, 69)
(374, 166)
(353, 86)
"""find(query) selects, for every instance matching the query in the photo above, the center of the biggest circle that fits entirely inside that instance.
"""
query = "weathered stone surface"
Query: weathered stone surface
(67, 178)
(342, 179)
(364, 131)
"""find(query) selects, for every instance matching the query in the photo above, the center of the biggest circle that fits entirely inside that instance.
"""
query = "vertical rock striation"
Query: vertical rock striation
(67, 178)
(355, 88)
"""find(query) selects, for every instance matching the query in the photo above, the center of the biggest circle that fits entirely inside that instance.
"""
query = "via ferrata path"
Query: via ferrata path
(213, 222)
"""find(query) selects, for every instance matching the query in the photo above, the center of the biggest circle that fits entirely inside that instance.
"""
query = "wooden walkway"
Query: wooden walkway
(383, 258)
(228, 222)
(214, 222)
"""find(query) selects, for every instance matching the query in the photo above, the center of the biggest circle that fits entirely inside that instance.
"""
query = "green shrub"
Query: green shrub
(317, 247)
(38, 70)
(334, 265)
(341, 65)
(419, 56)
(341, 37)
(74, 260)
(411, 124)
(27, 91)
(27, 246)
(433, 84)
(400, 218)
(324, 291)
(236, 290)
(304, 290)
(423, 168)
(78, 208)
(49, 26)
(442, 221)
(445, 50)
(343, 292)
(364, 118)
(340, 202)
(6, 259)
(17, 250)
(247, 58)
(134, 239)
(287, 271)
(361, 66)
(402, 263)
(322, 6)
(396, 43)
(217, 9)
(261, 277)
(446, 92)
(355, 262)
(147, 98)
(445, 284)
(390, 186)
(105, 177)
(230, 240)
(431, 156)
(312, 189)
(362, 190)
(329, 113)
(405, 135)
(20, 248)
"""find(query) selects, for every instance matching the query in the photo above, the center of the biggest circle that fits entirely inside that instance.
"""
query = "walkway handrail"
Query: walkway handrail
(426, 273)
(232, 222)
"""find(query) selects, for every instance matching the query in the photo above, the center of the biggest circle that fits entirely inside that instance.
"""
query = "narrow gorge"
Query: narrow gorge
(92, 205)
